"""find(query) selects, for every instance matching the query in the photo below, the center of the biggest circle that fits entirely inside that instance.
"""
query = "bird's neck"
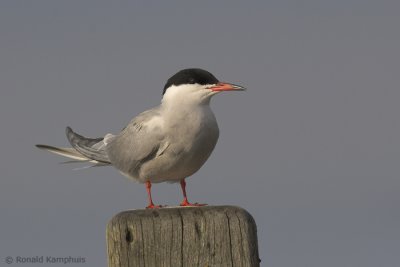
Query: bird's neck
(186, 110)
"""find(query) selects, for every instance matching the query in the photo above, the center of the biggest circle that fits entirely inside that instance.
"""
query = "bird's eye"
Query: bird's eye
(191, 80)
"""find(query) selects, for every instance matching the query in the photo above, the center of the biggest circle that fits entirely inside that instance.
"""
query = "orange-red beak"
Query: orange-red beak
(227, 87)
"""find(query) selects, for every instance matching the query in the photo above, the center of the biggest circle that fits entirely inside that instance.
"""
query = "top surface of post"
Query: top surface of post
(184, 210)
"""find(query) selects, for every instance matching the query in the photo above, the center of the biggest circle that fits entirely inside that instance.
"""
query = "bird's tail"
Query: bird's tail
(64, 151)
(83, 149)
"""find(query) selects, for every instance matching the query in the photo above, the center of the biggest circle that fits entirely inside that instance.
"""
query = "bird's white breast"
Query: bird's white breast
(191, 136)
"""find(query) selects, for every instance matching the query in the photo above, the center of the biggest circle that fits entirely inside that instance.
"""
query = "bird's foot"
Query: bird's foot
(152, 206)
(186, 203)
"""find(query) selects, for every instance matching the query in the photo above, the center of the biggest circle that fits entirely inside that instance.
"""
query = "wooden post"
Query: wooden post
(187, 236)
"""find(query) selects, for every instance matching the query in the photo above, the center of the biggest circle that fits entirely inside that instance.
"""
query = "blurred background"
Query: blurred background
(311, 149)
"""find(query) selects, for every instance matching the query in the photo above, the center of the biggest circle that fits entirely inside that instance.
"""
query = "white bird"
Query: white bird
(165, 144)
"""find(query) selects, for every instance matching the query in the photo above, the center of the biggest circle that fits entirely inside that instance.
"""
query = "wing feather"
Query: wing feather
(139, 142)
(92, 148)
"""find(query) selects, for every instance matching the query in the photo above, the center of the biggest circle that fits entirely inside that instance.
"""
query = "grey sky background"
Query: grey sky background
(311, 150)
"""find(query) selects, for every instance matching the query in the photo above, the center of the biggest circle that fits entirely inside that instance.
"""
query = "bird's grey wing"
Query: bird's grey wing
(140, 141)
(92, 148)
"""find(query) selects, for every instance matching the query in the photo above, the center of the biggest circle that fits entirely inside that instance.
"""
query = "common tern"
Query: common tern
(167, 143)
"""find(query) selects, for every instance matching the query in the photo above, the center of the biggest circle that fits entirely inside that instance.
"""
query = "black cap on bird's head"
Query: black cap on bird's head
(191, 76)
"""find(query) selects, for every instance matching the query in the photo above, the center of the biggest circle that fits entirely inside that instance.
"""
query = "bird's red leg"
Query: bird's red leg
(185, 202)
(151, 204)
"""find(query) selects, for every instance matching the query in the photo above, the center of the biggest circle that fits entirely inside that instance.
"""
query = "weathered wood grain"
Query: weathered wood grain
(194, 236)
